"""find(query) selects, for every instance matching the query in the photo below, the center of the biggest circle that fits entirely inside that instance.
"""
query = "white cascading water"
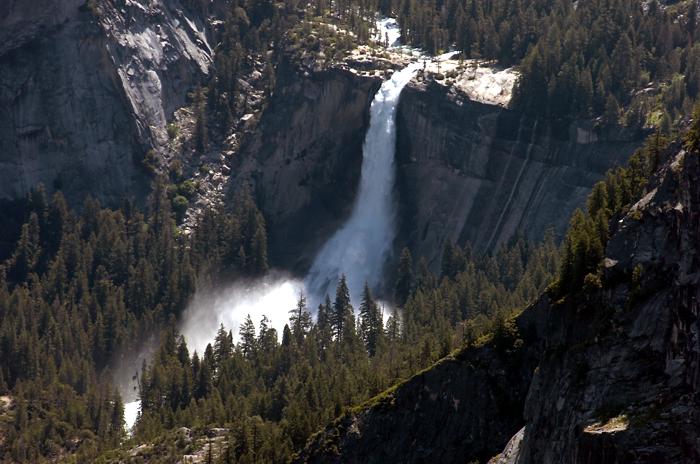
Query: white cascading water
(360, 247)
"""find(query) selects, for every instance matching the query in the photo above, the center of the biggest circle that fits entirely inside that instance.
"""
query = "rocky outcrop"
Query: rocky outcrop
(463, 409)
(468, 171)
(471, 172)
(620, 379)
(617, 377)
(86, 89)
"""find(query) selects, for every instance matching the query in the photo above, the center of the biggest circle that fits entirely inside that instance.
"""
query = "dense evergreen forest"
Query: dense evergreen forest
(83, 288)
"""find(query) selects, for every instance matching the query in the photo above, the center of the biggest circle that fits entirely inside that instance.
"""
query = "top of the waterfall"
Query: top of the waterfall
(479, 80)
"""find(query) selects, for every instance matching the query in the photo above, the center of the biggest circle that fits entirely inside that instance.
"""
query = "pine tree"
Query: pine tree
(692, 137)
(612, 111)
(371, 324)
(448, 267)
(393, 325)
(300, 320)
(223, 345)
(342, 319)
(28, 251)
(247, 345)
(324, 325)
(404, 282)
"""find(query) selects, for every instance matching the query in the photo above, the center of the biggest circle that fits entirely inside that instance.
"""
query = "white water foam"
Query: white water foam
(360, 247)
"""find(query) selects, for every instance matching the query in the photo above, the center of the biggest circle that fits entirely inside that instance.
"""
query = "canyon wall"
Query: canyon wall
(305, 156)
(86, 89)
(467, 171)
(477, 173)
(609, 374)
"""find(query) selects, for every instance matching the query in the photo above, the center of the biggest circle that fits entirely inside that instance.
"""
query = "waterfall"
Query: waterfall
(360, 247)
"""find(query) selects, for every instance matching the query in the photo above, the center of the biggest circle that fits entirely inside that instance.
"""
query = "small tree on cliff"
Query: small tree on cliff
(404, 283)
(692, 137)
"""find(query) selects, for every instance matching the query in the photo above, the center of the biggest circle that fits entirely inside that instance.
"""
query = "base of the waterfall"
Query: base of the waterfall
(272, 297)
(131, 413)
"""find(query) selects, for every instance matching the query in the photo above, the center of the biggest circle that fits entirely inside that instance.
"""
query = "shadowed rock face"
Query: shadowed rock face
(477, 173)
(305, 157)
(620, 379)
(85, 91)
(467, 171)
(617, 377)
(464, 408)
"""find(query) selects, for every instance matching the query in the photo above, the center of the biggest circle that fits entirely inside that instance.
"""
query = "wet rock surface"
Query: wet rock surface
(305, 156)
(467, 171)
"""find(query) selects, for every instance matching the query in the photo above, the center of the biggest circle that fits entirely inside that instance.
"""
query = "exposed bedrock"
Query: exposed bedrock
(305, 157)
(471, 172)
(86, 89)
(467, 171)
(607, 375)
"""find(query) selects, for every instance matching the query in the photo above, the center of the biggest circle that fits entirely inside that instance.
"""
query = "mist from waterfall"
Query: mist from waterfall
(360, 247)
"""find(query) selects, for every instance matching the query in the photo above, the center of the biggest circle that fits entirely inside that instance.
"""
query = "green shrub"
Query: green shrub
(187, 189)
(180, 205)
(150, 161)
(173, 131)
(592, 282)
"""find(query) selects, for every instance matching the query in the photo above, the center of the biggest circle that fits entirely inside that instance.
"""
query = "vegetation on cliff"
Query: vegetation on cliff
(81, 290)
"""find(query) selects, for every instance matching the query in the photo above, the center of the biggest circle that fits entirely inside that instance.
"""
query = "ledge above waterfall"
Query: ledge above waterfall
(480, 81)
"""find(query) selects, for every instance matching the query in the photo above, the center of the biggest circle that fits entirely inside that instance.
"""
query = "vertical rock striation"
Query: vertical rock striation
(305, 157)
(478, 173)
(619, 381)
(86, 89)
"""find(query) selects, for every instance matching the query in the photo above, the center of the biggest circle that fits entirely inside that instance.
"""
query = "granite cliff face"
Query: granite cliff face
(612, 374)
(619, 380)
(86, 89)
(305, 156)
(471, 172)
(467, 171)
